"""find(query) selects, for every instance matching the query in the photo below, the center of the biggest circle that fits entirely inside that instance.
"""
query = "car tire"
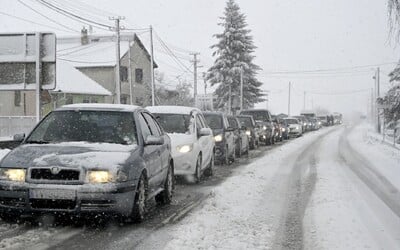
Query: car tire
(165, 197)
(210, 168)
(197, 173)
(139, 205)
(232, 158)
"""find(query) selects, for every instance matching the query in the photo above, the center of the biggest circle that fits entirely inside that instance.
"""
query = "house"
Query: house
(94, 55)
(92, 58)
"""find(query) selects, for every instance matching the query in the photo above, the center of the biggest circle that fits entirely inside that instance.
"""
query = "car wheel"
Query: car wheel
(197, 173)
(210, 169)
(139, 206)
(165, 197)
(248, 149)
(233, 157)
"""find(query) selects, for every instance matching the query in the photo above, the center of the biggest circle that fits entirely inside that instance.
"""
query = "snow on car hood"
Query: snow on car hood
(178, 139)
(72, 154)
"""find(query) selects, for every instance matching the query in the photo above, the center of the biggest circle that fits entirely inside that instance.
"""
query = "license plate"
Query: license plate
(52, 194)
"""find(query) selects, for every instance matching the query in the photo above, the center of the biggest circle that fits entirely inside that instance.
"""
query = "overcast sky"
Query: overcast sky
(291, 35)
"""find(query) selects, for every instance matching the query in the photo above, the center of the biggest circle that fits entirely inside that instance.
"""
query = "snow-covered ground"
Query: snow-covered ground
(249, 210)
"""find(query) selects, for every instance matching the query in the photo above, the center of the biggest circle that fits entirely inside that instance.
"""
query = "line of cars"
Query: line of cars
(113, 159)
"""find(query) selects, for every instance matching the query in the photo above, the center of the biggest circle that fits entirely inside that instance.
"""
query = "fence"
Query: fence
(11, 125)
(391, 134)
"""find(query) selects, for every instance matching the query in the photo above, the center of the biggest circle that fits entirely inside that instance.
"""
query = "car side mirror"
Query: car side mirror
(19, 137)
(154, 140)
(205, 132)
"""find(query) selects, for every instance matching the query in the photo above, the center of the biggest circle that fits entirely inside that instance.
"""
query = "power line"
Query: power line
(30, 21)
(328, 70)
(48, 18)
(89, 8)
(74, 16)
(77, 61)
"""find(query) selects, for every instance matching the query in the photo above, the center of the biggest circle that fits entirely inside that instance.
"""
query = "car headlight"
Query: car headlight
(265, 127)
(248, 132)
(184, 148)
(283, 129)
(13, 174)
(99, 176)
(218, 138)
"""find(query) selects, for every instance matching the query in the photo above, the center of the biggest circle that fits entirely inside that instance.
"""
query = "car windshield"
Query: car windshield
(291, 121)
(246, 121)
(88, 126)
(233, 123)
(257, 115)
(175, 123)
(214, 121)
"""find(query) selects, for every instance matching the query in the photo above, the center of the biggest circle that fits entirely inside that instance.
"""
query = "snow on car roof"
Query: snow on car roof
(172, 109)
(100, 106)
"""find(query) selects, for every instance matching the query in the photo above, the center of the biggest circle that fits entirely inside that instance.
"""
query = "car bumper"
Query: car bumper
(220, 151)
(84, 198)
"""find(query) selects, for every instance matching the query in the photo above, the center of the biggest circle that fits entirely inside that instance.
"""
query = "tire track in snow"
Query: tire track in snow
(380, 185)
(300, 186)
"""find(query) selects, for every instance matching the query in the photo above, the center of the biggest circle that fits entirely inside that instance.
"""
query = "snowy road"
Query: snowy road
(326, 190)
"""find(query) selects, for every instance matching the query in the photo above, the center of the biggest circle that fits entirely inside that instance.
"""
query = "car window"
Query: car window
(203, 122)
(258, 115)
(175, 123)
(199, 124)
(89, 126)
(144, 126)
(152, 124)
(232, 122)
(246, 121)
(214, 121)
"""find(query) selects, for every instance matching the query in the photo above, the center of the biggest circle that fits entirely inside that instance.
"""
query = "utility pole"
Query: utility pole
(241, 88)
(117, 55)
(38, 78)
(205, 83)
(289, 99)
(195, 66)
(152, 67)
(130, 72)
(304, 101)
(372, 105)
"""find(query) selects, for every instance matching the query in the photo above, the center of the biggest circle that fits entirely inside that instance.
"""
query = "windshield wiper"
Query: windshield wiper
(37, 142)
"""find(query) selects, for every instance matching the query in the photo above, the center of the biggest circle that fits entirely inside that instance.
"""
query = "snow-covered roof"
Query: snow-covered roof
(100, 106)
(94, 54)
(72, 81)
(172, 109)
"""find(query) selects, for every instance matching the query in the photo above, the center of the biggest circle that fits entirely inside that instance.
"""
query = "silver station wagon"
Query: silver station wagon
(89, 158)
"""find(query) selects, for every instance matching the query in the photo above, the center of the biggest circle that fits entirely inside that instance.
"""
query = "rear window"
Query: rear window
(258, 115)
(292, 121)
(214, 121)
(246, 121)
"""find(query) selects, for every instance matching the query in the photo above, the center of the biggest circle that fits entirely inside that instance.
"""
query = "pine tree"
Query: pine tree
(234, 52)
(392, 97)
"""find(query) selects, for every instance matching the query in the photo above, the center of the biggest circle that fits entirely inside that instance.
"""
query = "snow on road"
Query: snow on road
(241, 213)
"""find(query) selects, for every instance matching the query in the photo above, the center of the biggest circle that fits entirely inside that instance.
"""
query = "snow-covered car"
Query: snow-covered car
(295, 126)
(251, 129)
(264, 121)
(223, 136)
(89, 158)
(241, 138)
(192, 141)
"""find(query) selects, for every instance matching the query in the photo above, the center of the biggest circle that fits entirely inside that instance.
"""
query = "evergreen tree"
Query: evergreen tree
(234, 51)
(392, 97)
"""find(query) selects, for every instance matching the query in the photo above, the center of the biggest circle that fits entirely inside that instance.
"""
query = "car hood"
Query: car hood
(178, 139)
(74, 155)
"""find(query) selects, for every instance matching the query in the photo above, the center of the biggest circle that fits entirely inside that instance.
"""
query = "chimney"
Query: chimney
(84, 36)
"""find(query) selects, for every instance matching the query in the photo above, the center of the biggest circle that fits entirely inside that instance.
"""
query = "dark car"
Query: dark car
(89, 158)
(224, 137)
(278, 128)
(264, 121)
(241, 138)
(304, 122)
(284, 128)
(252, 129)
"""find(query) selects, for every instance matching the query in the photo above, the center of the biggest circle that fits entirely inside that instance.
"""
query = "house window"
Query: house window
(86, 99)
(17, 98)
(123, 72)
(139, 75)
(69, 99)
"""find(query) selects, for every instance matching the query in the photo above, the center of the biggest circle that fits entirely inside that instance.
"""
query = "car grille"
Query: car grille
(62, 175)
(12, 202)
(52, 204)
